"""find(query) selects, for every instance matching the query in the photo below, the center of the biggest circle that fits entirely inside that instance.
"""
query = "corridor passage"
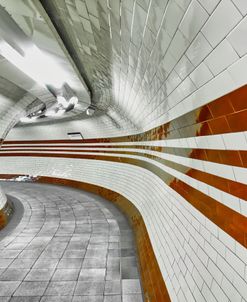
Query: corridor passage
(68, 245)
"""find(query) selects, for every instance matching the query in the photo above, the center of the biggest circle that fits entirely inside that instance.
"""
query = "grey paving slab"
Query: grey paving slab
(69, 246)
(128, 272)
(9, 253)
(25, 263)
(56, 299)
(30, 254)
(14, 274)
(25, 299)
(45, 263)
(62, 288)
(113, 298)
(131, 286)
(39, 275)
(5, 262)
(87, 274)
(27, 288)
(70, 274)
(132, 298)
(113, 287)
(74, 253)
(7, 288)
(70, 263)
(113, 274)
(88, 299)
(4, 299)
(90, 288)
(94, 263)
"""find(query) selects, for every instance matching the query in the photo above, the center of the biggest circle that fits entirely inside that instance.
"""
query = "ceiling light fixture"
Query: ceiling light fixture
(27, 119)
(55, 112)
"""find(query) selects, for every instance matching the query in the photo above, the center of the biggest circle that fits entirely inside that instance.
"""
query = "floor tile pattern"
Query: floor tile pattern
(69, 246)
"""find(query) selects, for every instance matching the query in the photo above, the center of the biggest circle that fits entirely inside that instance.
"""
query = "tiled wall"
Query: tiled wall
(198, 260)
(187, 178)
(164, 59)
(185, 171)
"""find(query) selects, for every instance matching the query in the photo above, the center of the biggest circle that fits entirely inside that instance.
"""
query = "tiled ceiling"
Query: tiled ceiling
(40, 31)
(145, 62)
(116, 45)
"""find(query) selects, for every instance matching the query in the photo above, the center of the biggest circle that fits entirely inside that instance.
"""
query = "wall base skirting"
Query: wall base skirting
(5, 214)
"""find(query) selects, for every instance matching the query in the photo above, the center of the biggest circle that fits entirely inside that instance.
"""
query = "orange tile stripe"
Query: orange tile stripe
(223, 115)
(232, 187)
(225, 157)
(228, 220)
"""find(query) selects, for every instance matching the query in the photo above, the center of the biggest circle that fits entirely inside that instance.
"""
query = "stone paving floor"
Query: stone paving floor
(69, 246)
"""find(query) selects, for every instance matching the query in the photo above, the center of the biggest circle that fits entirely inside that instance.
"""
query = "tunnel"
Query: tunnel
(123, 151)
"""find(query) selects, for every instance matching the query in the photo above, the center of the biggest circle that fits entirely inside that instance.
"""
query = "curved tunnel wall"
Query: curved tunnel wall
(195, 256)
(187, 179)
(170, 57)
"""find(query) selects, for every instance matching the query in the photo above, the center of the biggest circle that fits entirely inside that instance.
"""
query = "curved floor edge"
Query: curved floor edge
(14, 217)
(152, 280)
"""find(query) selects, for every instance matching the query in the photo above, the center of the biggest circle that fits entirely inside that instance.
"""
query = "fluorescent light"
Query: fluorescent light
(27, 119)
(54, 112)
(37, 65)
(50, 113)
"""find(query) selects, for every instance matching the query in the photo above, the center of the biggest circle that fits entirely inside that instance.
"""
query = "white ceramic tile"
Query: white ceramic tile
(235, 141)
(208, 295)
(183, 4)
(201, 75)
(237, 264)
(215, 271)
(231, 291)
(193, 20)
(227, 240)
(209, 5)
(91, 171)
(178, 45)
(220, 23)
(237, 38)
(172, 82)
(218, 292)
(241, 5)
(174, 14)
(240, 174)
(183, 67)
(221, 57)
(215, 88)
(238, 72)
(198, 50)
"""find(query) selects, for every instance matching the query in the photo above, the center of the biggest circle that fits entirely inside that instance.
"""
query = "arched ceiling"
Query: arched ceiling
(135, 61)
(112, 44)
